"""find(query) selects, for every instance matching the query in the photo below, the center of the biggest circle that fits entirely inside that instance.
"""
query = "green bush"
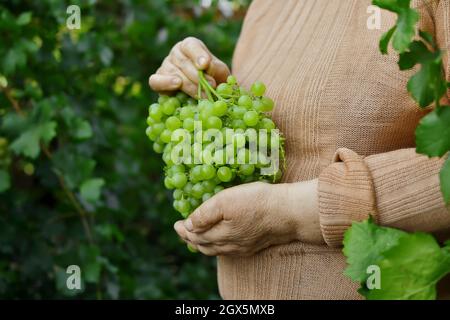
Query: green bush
(79, 183)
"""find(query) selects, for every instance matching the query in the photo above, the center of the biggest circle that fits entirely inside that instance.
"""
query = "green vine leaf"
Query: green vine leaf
(28, 143)
(418, 52)
(406, 23)
(433, 133)
(91, 189)
(24, 19)
(445, 181)
(364, 244)
(411, 269)
(428, 85)
(385, 39)
(410, 265)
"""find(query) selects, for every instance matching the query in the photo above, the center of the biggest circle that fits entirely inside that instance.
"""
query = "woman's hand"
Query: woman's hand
(246, 219)
(180, 68)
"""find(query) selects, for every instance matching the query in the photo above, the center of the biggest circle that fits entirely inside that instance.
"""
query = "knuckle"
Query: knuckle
(189, 40)
(198, 219)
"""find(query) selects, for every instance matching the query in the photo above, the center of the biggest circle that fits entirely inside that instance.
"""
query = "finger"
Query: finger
(208, 251)
(224, 250)
(161, 82)
(218, 70)
(196, 239)
(187, 85)
(211, 80)
(180, 229)
(205, 216)
(188, 69)
(218, 235)
(185, 65)
(197, 52)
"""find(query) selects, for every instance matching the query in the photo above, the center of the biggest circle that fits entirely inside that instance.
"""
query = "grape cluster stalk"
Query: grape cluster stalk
(229, 110)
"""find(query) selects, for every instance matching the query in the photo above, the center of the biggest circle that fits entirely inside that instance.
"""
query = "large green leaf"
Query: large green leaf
(364, 244)
(433, 133)
(406, 23)
(410, 265)
(411, 269)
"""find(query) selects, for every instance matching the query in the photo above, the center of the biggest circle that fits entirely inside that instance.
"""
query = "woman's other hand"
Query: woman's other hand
(248, 218)
(179, 70)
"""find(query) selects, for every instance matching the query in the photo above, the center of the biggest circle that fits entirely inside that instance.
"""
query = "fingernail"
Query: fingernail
(176, 81)
(188, 224)
(202, 61)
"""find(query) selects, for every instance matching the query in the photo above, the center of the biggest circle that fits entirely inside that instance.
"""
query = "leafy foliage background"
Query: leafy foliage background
(79, 183)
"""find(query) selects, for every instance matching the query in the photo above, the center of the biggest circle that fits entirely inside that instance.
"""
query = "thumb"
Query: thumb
(206, 216)
(218, 70)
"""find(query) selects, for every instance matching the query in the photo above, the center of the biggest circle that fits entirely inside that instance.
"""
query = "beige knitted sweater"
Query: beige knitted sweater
(348, 120)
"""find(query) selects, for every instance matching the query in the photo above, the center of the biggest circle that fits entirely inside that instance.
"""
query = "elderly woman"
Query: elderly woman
(349, 125)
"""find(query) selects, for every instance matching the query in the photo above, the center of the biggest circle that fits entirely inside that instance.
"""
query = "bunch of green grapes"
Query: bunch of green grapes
(5, 156)
(229, 106)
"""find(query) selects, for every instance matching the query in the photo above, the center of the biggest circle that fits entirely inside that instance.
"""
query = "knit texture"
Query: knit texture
(349, 121)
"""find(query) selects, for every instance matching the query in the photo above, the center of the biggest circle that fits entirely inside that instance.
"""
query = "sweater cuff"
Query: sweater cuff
(346, 194)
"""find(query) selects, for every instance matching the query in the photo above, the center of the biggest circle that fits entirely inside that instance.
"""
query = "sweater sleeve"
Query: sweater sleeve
(398, 189)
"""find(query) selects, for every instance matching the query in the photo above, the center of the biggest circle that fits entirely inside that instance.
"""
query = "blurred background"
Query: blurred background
(79, 182)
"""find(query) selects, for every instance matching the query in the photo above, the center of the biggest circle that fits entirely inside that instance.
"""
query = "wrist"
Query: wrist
(302, 204)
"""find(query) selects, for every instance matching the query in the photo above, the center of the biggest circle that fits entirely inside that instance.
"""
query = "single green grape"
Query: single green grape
(251, 118)
(173, 123)
(158, 128)
(224, 174)
(209, 185)
(267, 124)
(267, 104)
(179, 180)
(231, 80)
(158, 148)
(188, 124)
(246, 169)
(220, 108)
(197, 191)
(197, 173)
(245, 101)
(224, 89)
(168, 183)
(178, 194)
(188, 188)
(166, 136)
(208, 171)
(258, 89)
(214, 123)
(162, 99)
(178, 168)
(184, 207)
(155, 112)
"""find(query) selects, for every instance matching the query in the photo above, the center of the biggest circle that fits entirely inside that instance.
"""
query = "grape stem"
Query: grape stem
(204, 84)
